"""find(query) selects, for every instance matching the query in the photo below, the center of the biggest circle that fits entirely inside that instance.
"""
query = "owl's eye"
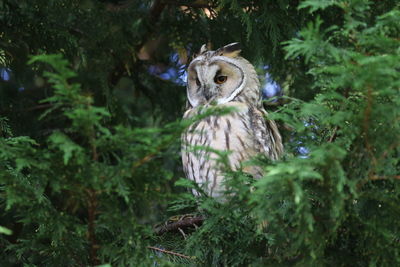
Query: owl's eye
(197, 82)
(220, 79)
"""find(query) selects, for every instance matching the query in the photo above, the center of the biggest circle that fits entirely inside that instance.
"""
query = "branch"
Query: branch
(333, 135)
(92, 206)
(143, 160)
(154, 15)
(120, 6)
(171, 253)
(196, 4)
(156, 10)
(184, 223)
(92, 209)
(376, 178)
(149, 27)
(41, 106)
(367, 115)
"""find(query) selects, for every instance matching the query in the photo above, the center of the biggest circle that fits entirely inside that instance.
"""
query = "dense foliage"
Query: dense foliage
(91, 97)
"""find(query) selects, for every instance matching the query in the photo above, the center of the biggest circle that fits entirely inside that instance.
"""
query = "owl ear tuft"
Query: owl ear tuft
(230, 50)
(203, 49)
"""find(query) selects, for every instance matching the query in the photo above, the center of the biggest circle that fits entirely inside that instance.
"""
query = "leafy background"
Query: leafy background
(91, 96)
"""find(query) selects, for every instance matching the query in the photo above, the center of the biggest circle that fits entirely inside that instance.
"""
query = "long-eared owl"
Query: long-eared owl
(222, 78)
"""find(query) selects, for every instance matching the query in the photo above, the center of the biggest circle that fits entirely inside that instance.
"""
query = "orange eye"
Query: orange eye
(220, 79)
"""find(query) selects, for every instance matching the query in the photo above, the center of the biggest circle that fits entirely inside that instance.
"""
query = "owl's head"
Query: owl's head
(222, 76)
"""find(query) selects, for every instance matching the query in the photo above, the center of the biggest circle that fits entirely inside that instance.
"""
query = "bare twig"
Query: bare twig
(92, 206)
(367, 115)
(42, 106)
(92, 209)
(387, 151)
(376, 177)
(368, 146)
(334, 134)
(171, 253)
(143, 160)
(182, 232)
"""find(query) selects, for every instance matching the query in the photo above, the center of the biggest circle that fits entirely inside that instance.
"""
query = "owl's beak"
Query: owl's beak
(209, 92)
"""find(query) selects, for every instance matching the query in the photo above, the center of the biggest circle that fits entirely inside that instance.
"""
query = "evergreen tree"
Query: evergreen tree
(91, 99)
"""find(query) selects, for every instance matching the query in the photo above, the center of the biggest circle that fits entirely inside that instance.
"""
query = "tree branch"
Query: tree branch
(184, 223)
(156, 10)
(41, 106)
(92, 209)
(92, 206)
(171, 252)
(195, 4)
(376, 178)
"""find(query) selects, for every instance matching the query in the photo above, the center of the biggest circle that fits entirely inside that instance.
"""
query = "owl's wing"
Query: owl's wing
(267, 136)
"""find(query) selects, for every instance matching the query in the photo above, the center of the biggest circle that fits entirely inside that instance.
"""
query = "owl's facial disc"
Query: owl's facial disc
(220, 79)
(230, 79)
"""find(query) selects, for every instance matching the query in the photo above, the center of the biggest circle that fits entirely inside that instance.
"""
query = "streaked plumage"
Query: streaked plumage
(222, 78)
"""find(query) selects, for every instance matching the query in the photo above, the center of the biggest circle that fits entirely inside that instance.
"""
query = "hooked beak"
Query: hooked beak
(209, 92)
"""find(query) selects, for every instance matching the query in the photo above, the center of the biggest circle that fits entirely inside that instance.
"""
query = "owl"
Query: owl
(222, 78)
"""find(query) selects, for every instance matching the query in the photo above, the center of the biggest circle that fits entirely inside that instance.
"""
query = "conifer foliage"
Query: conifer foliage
(90, 106)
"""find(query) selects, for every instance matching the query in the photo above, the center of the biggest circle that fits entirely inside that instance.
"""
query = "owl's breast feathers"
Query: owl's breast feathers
(243, 132)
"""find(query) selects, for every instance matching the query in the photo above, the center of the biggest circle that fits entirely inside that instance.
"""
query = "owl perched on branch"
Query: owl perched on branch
(222, 78)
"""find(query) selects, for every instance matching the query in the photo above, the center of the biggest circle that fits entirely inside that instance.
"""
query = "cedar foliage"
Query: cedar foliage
(89, 137)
